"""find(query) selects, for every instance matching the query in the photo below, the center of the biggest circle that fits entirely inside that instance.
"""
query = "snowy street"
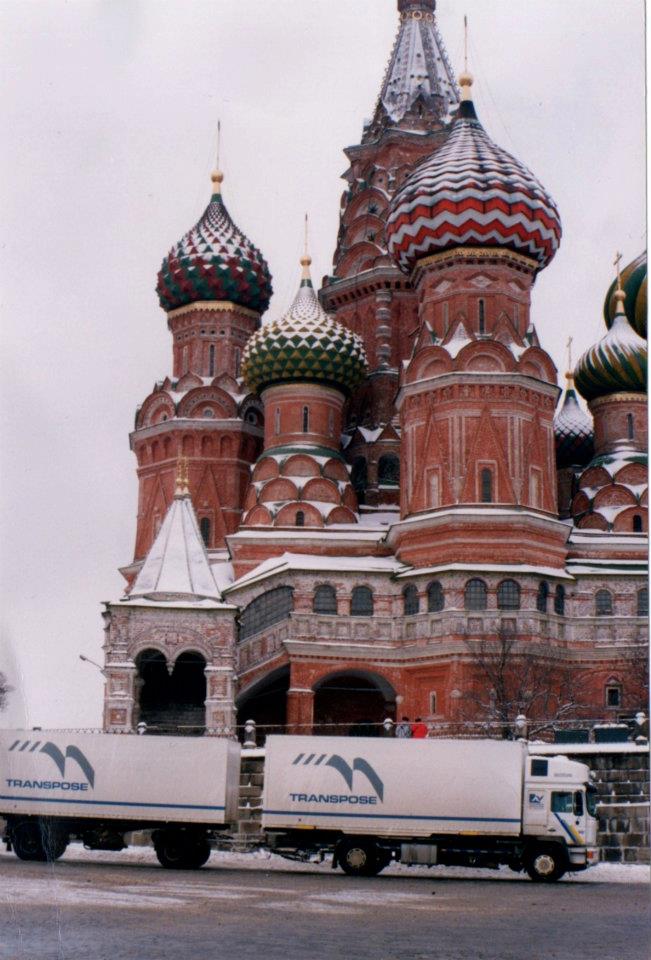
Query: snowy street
(96, 906)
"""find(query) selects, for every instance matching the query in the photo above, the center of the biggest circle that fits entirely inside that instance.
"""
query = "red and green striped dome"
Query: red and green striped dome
(214, 262)
(633, 280)
(617, 364)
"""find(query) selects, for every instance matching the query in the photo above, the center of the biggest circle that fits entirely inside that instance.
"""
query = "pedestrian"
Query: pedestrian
(418, 729)
(403, 729)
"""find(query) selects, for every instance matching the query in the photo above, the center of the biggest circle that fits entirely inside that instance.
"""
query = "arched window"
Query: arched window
(475, 595)
(486, 485)
(543, 597)
(306, 419)
(643, 602)
(559, 600)
(300, 518)
(265, 610)
(204, 526)
(603, 603)
(388, 471)
(435, 597)
(359, 478)
(613, 694)
(508, 595)
(211, 360)
(637, 523)
(482, 316)
(325, 600)
(410, 600)
(361, 602)
(630, 426)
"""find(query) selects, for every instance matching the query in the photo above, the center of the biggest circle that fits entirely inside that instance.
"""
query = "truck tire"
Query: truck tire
(38, 842)
(545, 863)
(180, 851)
(359, 858)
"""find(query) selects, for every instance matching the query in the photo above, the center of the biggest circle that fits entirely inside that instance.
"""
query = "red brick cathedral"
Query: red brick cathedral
(379, 504)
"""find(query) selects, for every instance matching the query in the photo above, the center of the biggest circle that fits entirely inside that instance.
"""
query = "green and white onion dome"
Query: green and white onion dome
(305, 344)
(633, 281)
(214, 262)
(573, 431)
(617, 364)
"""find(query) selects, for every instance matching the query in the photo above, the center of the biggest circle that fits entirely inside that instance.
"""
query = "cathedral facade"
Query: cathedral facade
(382, 504)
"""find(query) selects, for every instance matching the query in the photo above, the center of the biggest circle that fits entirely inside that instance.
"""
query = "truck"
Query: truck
(98, 788)
(365, 801)
(473, 803)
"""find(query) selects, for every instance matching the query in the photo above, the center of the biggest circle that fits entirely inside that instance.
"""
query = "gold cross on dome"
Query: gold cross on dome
(570, 341)
(617, 261)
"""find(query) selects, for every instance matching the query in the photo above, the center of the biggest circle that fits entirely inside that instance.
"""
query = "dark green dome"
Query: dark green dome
(617, 364)
(634, 286)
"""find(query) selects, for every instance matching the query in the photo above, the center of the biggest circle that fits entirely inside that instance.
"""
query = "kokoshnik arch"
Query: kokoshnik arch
(340, 509)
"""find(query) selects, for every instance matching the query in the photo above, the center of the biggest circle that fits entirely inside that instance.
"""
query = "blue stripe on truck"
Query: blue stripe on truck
(110, 803)
(388, 816)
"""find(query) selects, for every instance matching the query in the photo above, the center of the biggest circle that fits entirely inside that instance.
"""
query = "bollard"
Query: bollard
(249, 734)
(141, 728)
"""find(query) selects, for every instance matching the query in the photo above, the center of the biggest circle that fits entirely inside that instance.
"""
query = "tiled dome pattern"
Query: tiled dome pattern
(305, 344)
(612, 488)
(617, 364)
(472, 193)
(634, 282)
(214, 261)
(573, 432)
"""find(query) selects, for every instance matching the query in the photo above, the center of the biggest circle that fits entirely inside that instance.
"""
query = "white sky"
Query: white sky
(109, 130)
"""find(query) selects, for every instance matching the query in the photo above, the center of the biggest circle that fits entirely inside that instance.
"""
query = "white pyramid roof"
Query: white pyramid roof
(177, 562)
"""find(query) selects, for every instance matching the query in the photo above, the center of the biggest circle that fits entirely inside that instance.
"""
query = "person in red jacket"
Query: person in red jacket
(418, 729)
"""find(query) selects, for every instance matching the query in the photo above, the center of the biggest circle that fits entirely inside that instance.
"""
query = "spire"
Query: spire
(306, 259)
(217, 176)
(419, 76)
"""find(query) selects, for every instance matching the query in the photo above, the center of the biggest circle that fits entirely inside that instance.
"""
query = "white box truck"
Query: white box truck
(98, 788)
(456, 802)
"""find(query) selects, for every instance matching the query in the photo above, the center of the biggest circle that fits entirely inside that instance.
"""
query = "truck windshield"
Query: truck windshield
(591, 799)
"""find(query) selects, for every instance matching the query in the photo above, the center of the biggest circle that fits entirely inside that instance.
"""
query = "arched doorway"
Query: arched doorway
(352, 703)
(265, 702)
(172, 703)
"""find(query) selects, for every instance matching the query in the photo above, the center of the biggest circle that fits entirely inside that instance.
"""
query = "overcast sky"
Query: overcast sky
(109, 122)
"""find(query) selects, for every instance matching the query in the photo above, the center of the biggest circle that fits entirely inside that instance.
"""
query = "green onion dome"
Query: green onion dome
(573, 431)
(214, 262)
(305, 344)
(617, 364)
(633, 281)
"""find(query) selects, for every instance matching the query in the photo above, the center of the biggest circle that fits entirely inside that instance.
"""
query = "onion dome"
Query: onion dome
(471, 193)
(305, 344)
(214, 261)
(633, 282)
(617, 364)
(573, 431)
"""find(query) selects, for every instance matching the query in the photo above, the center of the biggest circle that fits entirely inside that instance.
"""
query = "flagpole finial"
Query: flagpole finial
(217, 176)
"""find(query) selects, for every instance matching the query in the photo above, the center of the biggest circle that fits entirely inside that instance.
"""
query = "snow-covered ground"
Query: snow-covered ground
(263, 861)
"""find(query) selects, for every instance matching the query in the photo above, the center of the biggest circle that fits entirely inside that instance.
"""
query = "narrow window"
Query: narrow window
(237, 362)
(516, 314)
(630, 427)
(361, 603)
(613, 695)
(277, 419)
(637, 523)
(211, 360)
(508, 595)
(486, 486)
(559, 601)
(543, 596)
(476, 595)
(325, 600)
(446, 317)
(643, 602)
(482, 316)
(204, 526)
(435, 597)
(184, 360)
(603, 603)
(410, 600)
(331, 422)
(432, 702)
(306, 419)
(300, 519)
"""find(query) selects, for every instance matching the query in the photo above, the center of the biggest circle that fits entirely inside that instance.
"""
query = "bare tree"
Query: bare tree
(512, 678)
(5, 690)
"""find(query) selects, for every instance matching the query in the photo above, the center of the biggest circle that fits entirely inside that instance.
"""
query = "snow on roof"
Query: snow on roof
(308, 563)
(370, 435)
(199, 604)
(513, 568)
(177, 562)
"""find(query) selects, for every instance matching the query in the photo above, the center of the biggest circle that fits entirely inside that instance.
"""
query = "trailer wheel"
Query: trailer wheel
(179, 851)
(545, 864)
(38, 841)
(359, 858)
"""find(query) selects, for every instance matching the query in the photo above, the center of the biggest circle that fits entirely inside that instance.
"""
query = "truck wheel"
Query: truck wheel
(178, 851)
(38, 842)
(545, 864)
(359, 858)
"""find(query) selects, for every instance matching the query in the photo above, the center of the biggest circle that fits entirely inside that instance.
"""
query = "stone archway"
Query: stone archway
(172, 702)
(352, 703)
(265, 702)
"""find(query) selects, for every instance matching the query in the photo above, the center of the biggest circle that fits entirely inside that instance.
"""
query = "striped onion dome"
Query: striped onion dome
(471, 193)
(573, 431)
(305, 344)
(634, 286)
(214, 261)
(617, 364)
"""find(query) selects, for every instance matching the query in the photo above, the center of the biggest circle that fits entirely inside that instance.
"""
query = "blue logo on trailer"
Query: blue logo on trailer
(60, 759)
(347, 772)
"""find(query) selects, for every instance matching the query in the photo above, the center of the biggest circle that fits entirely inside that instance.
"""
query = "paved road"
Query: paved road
(89, 909)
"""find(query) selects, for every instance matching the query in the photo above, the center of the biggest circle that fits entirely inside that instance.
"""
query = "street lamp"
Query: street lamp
(94, 663)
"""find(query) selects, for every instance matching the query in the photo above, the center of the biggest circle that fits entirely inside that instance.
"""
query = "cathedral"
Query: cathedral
(382, 504)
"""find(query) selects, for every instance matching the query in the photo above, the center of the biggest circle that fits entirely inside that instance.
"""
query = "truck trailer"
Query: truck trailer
(366, 801)
(473, 803)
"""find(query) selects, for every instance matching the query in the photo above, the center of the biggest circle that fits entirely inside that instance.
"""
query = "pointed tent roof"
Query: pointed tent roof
(177, 563)
(418, 67)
